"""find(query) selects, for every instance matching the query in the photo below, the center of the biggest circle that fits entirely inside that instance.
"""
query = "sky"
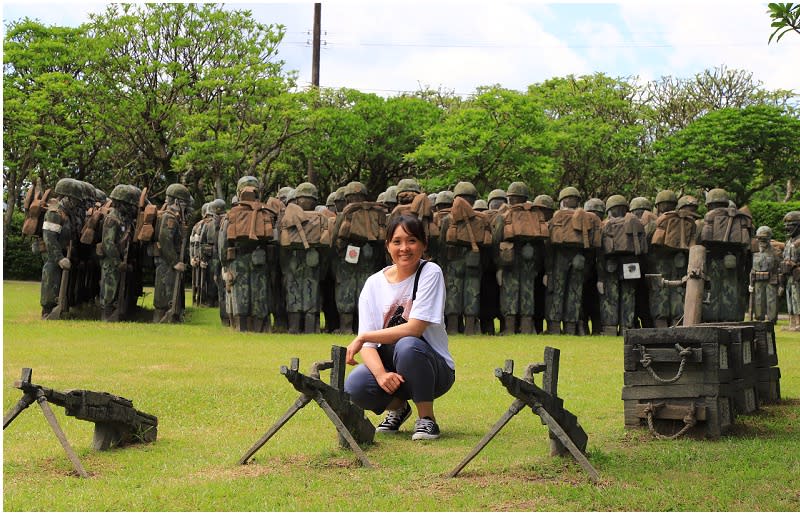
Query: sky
(388, 47)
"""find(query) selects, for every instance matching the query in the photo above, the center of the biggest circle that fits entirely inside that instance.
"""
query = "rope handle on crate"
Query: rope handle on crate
(689, 421)
(647, 360)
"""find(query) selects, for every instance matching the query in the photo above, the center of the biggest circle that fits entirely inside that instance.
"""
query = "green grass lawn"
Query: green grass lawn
(216, 392)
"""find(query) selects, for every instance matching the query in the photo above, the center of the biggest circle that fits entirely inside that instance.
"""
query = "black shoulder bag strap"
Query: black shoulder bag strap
(416, 279)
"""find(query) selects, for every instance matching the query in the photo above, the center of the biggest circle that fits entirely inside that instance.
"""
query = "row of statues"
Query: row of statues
(540, 265)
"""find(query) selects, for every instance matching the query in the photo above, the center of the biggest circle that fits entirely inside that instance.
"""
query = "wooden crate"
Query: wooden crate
(768, 383)
(715, 415)
(745, 395)
(719, 355)
(765, 351)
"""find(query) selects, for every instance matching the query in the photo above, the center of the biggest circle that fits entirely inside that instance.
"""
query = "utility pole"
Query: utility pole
(316, 44)
(312, 174)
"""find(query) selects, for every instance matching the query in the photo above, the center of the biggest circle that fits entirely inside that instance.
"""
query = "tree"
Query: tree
(490, 139)
(596, 132)
(173, 69)
(45, 134)
(785, 18)
(742, 150)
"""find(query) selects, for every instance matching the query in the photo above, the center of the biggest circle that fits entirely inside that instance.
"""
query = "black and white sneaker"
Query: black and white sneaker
(394, 419)
(425, 429)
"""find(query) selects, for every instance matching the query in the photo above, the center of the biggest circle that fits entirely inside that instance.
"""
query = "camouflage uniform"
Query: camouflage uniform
(764, 277)
(668, 263)
(246, 261)
(169, 258)
(118, 227)
(618, 292)
(567, 266)
(354, 262)
(462, 273)
(643, 209)
(727, 267)
(790, 268)
(62, 221)
(545, 205)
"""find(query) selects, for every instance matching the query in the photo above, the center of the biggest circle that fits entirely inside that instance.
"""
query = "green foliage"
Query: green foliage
(743, 150)
(595, 134)
(216, 392)
(19, 262)
(490, 140)
(785, 18)
(771, 214)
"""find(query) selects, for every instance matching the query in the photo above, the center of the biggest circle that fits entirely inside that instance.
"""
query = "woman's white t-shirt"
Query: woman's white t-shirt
(379, 299)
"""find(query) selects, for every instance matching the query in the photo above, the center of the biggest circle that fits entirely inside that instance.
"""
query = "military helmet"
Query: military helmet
(496, 194)
(330, 199)
(99, 195)
(247, 181)
(641, 203)
(687, 200)
(614, 201)
(179, 191)
(306, 189)
(126, 193)
(465, 188)
(217, 206)
(480, 205)
(764, 232)
(381, 197)
(664, 196)
(284, 192)
(544, 201)
(595, 205)
(204, 209)
(518, 188)
(291, 195)
(69, 187)
(339, 194)
(408, 185)
(717, 195)
(792, 217)
(569, 191)
(445, 197)
(355, 188)
(391, 194)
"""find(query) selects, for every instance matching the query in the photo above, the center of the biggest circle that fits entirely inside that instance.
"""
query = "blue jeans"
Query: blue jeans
(426, 375)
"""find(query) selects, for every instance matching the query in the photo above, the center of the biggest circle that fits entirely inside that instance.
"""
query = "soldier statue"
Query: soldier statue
(194, 257)
(574, 240)
(390, 199)
(244, 249)
(209, 256)
(674, 232)
(764, 277)
(441, 208)
(727, 235)
(170, 254)
(519, 234)
(62, 221)
(624, 246)
(303, 264)
(490, 290)
(117, 237)
(590, 312)
(545, 205)
(461, 262)
(359, 237)
(790, 268)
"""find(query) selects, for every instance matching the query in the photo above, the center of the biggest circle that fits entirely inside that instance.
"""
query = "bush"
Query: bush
(18, 261)
(771, 214)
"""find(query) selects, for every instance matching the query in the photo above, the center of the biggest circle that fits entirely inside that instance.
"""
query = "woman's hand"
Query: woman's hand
(390, 381)
(353, 349)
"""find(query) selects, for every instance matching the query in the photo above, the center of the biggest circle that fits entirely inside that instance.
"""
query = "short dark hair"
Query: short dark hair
(411, 224)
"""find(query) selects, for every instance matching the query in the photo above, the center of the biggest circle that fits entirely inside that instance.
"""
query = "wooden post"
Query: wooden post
(693, 303)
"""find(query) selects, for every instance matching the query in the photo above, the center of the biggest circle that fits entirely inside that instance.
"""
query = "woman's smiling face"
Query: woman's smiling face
(405, 249)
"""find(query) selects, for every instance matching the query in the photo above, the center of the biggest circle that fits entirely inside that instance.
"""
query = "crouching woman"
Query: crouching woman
(401, 336)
